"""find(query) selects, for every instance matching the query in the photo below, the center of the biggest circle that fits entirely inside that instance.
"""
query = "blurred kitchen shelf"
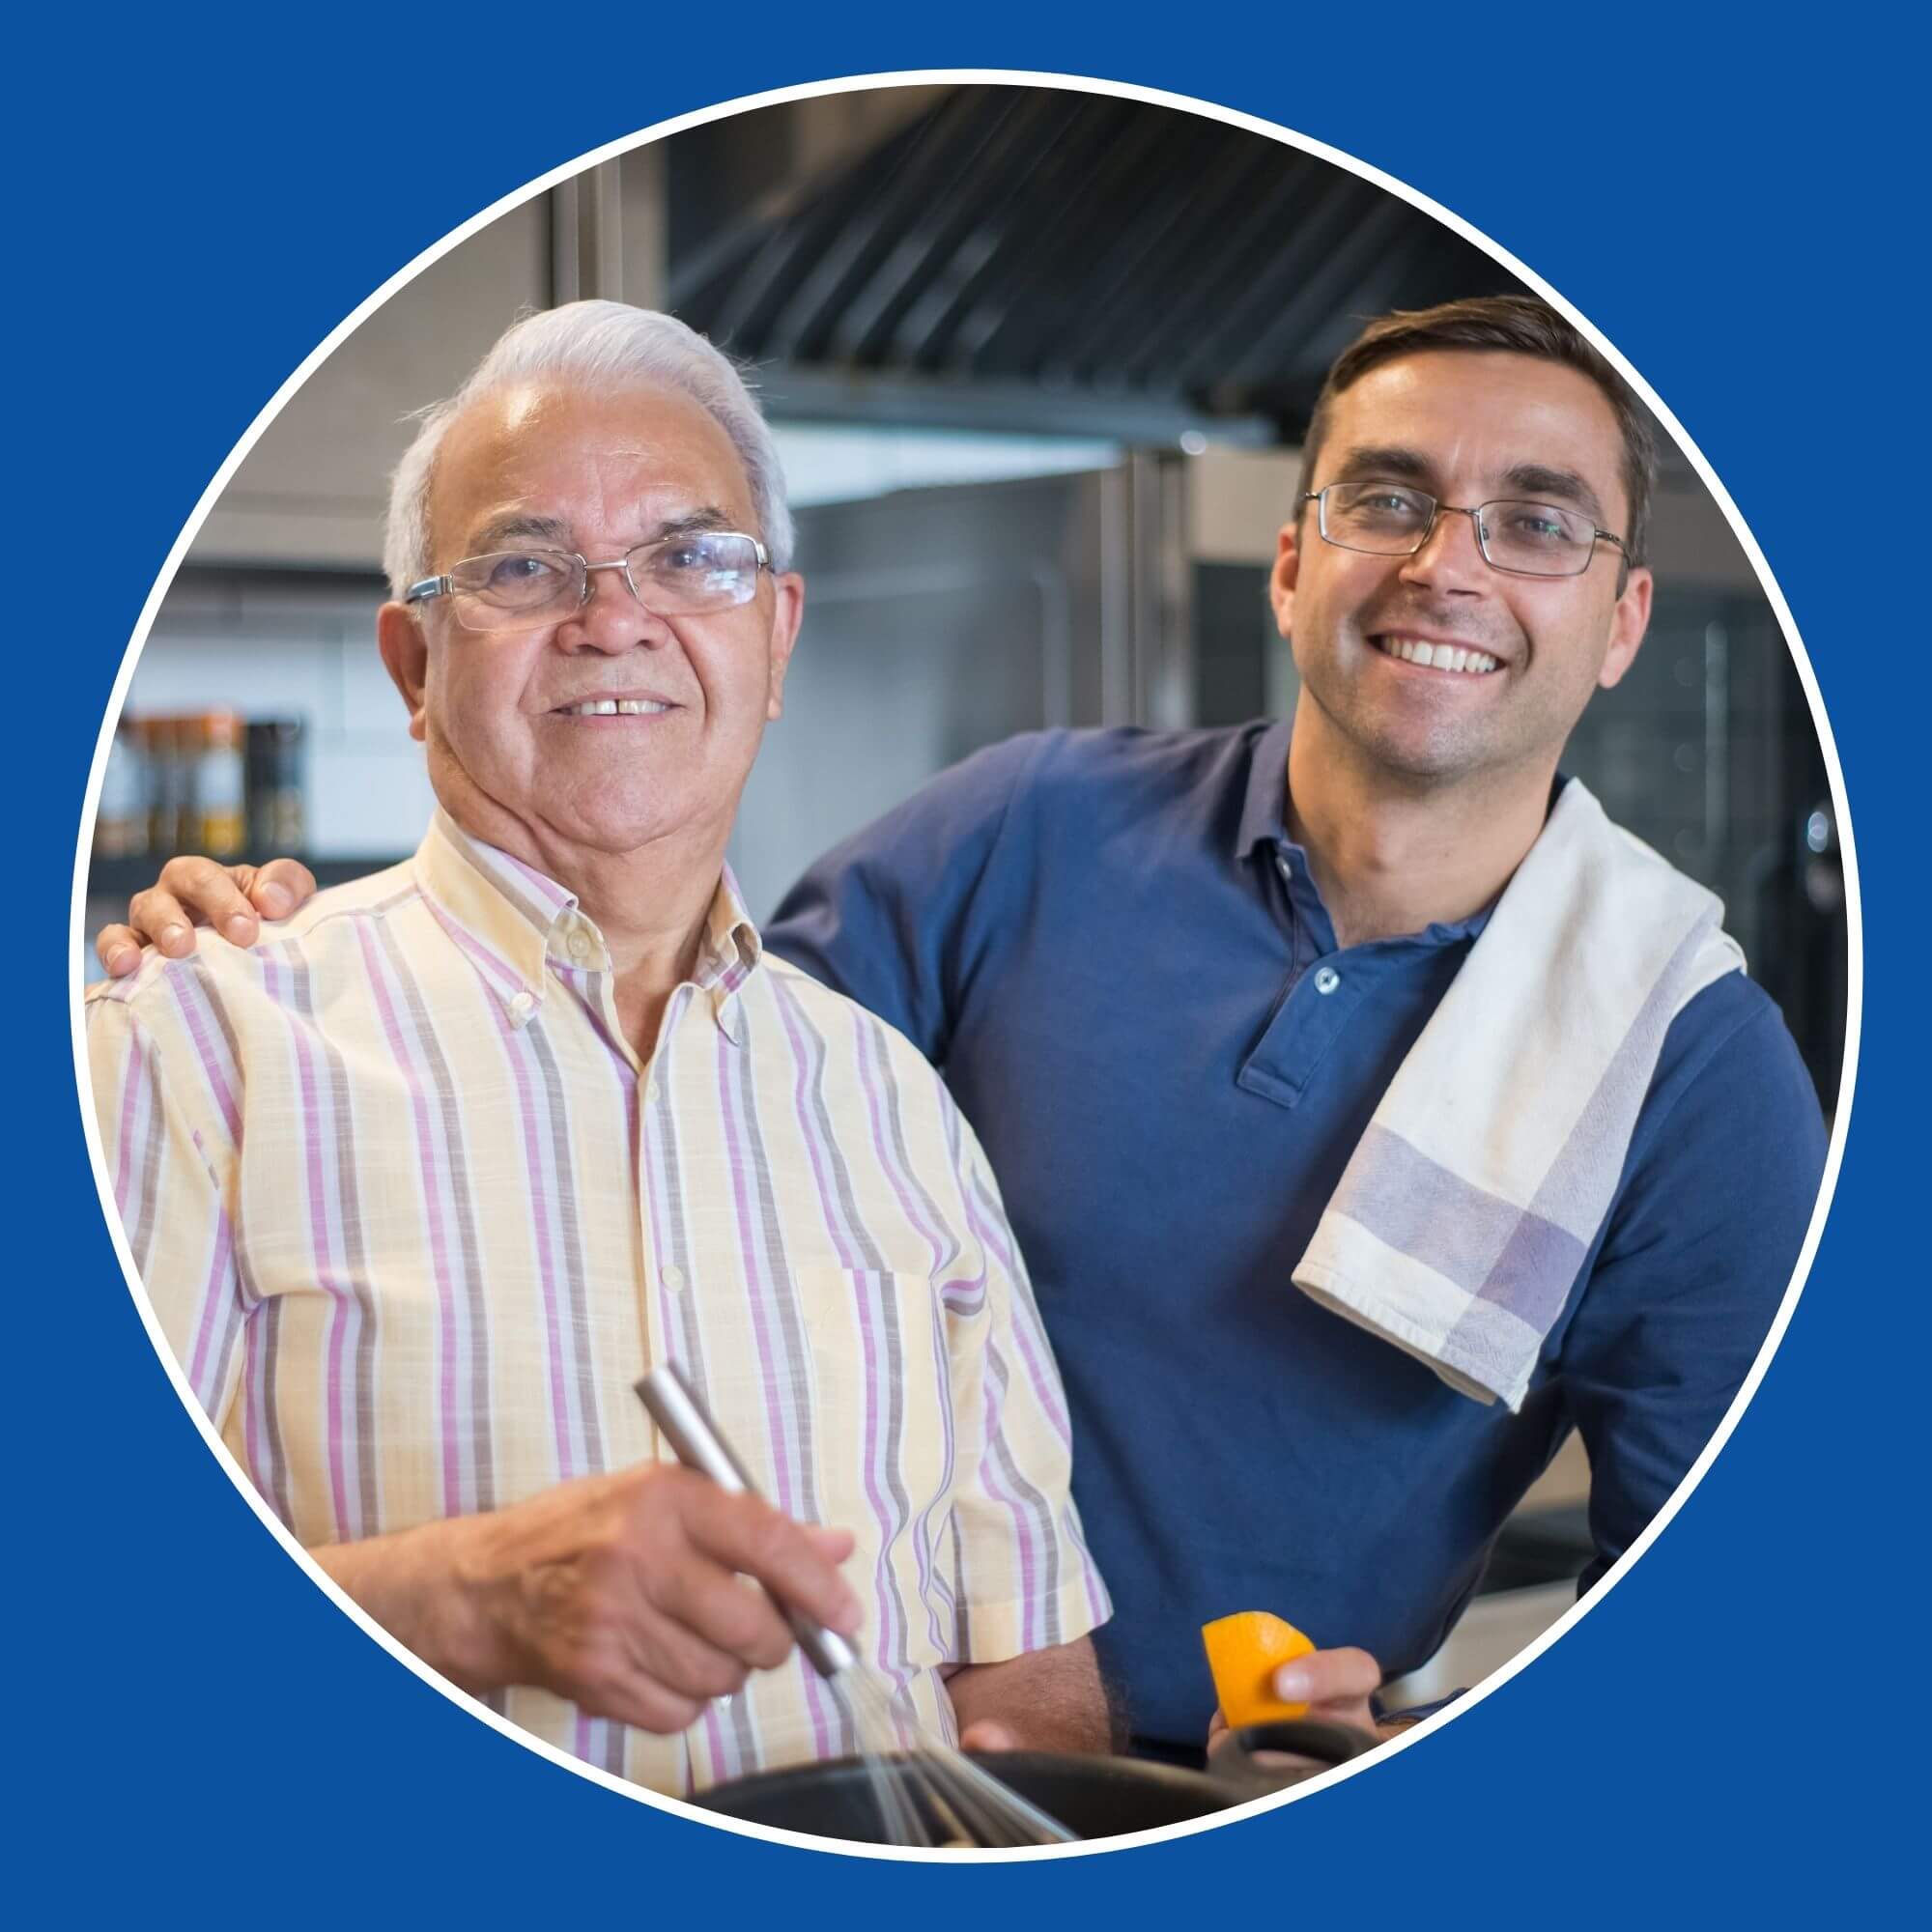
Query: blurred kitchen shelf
(1493, 1630)
(1531, 1580)
(1540, 1547)
(122, 878)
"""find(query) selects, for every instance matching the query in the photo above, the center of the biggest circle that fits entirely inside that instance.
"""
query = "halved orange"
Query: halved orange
(1244, 1652)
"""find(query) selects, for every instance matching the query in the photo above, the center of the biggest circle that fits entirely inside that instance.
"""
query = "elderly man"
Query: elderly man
(1372, 1112)
(418, 1189)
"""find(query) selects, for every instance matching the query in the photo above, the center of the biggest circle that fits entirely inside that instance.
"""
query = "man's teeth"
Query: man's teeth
(615, 707)
(1437, 657)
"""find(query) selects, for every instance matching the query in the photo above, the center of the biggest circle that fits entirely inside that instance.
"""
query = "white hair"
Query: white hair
(604, 345)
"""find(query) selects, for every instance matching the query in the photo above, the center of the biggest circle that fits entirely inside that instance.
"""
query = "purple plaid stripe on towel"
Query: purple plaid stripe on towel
(1464, 1213)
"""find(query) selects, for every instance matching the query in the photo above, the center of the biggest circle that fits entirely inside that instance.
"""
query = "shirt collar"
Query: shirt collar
(515, 924)
(732, 950)
(1264, 810)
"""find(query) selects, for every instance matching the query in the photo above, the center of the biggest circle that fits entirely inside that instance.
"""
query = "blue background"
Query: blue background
(198, 1733)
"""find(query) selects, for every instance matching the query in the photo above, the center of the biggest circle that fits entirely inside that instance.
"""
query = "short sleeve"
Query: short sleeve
(1025, 1580)
(161, 1165)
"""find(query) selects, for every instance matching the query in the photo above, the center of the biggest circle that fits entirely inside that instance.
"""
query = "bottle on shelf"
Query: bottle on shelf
(221, 784)
(170, 784)
(277, 823)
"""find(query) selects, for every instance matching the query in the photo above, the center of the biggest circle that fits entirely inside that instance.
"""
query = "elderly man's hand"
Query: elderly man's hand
(191, 892)
(630, 1594)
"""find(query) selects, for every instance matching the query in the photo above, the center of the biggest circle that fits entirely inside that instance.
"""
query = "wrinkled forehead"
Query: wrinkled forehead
(607, 467)
(1474, 423)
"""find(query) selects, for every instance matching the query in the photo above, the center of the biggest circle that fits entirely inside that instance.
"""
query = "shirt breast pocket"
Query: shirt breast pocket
(885, 1433)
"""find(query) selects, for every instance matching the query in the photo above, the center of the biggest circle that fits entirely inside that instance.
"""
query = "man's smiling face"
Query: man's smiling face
(1467, 427)
(512, 745)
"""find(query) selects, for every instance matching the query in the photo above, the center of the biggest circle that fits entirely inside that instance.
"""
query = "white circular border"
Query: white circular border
(1250, 123)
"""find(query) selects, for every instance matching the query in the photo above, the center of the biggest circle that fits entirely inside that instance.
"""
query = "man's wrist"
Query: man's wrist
(425, 1588)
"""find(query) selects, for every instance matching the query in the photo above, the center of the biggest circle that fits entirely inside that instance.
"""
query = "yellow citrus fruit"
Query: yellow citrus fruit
(1244, 1652)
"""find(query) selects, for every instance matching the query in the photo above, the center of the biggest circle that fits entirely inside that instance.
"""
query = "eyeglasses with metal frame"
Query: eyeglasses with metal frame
(1521, 539)
(686, 576)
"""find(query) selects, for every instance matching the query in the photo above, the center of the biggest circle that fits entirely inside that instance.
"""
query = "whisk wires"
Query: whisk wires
(927, 1791)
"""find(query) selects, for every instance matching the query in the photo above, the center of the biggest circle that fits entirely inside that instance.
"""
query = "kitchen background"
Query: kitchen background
(1039, 363)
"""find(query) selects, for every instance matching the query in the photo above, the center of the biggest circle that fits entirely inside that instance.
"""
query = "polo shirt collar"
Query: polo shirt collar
(515, 924)
(1265, 810)
(1265, 823)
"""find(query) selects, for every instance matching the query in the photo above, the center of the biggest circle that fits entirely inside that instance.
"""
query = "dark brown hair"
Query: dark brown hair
(1524, 325)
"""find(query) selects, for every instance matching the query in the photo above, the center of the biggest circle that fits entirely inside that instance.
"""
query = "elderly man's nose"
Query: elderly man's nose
(1452, 559)
(612, 618)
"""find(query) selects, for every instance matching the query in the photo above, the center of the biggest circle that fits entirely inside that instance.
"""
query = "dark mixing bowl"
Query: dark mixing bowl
(1093, 1797)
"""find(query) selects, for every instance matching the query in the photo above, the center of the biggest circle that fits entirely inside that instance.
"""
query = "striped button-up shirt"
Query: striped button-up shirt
(414, 1216)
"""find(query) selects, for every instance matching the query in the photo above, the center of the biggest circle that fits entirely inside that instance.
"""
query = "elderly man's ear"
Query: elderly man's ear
(788, 612)
(406, 656)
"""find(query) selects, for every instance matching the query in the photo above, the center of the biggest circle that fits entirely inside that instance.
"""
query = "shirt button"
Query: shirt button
(580, 945)
(673, 1278)
(653, 1093)
(1327, 979)
(524, 1004)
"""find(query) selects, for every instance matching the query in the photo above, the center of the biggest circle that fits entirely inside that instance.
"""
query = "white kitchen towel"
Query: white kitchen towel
(1464, 1215)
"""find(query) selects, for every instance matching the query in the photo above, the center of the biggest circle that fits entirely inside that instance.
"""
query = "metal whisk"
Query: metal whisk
(927, 1791)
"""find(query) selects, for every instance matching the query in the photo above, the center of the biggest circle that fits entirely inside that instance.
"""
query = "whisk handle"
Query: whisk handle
(695, 1441)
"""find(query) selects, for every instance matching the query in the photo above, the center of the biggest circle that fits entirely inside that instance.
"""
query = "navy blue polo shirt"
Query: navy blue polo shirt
(1111, 947)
